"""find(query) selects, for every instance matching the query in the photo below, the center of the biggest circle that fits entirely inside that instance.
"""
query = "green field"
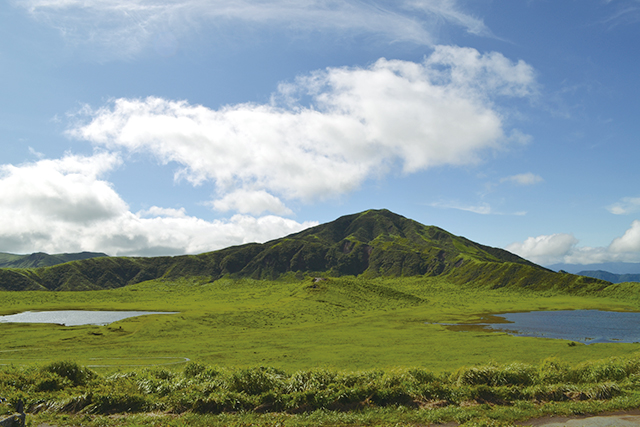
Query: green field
(377, 329)
(343, 323)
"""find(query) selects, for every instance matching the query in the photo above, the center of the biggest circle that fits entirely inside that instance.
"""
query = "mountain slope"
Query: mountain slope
(369, 244)
(40, 259)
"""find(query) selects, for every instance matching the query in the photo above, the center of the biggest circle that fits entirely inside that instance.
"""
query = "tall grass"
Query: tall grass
(66, 387)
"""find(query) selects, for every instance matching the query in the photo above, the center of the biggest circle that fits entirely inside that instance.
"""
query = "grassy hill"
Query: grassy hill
(374, 243)
(40, 259)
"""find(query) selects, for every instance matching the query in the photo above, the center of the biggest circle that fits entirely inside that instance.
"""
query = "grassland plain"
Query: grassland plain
(293, 324)
(345, 323)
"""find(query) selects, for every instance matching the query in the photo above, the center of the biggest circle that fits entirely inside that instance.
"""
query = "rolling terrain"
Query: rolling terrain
(371, 244)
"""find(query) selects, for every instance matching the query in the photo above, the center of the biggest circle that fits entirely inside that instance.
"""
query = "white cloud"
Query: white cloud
(562, 248)
(523, 179)
(544, 249)
(629, 242)
(626, 206)
(361, 123)
(127, 26)
(66, 189)
(253, 202)
(487, 73)
(156, 211)
(63, 205)
(482, 209)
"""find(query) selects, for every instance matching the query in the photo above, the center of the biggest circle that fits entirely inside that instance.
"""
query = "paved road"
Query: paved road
(619, 419)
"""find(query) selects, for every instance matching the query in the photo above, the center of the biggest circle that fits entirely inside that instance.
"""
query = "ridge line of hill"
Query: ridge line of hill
(373, 243)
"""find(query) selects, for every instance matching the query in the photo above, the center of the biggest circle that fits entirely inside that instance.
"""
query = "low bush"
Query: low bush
(75, 373)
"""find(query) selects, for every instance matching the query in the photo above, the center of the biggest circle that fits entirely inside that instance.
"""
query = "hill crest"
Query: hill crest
(370, 244)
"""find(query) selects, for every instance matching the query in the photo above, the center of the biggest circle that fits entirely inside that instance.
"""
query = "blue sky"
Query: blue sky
(163, 127)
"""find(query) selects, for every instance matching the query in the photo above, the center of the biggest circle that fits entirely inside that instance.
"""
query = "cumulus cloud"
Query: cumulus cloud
(629, 242)
(128, 26)
(65, 205)
(626, 206)
(355, 123)
(66, 189)
(544, 249)
(253, 202)
(562, 248)
(523, 179)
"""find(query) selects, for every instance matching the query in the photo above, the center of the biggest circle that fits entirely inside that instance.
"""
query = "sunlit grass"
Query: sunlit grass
(343, 323)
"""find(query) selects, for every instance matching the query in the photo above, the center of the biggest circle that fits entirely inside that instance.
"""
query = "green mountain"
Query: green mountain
(370, 244)
(40, 259)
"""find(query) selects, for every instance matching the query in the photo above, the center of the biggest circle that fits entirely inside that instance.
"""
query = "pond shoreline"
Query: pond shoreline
(584, 326)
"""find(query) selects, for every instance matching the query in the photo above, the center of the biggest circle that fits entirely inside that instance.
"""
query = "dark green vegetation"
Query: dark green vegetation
(611, 277)
(370, 244)
(212, 395)
(40, 259)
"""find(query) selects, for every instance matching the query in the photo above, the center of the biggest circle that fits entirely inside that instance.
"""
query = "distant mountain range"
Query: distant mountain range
(611, 267)
(370, 244)
(40, 259)
(611, 277)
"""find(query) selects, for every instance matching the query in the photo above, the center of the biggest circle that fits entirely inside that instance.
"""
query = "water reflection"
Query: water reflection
(75, 317)
(586, 326)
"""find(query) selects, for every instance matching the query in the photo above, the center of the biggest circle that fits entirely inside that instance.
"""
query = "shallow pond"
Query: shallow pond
(586, 326)
(75, 317)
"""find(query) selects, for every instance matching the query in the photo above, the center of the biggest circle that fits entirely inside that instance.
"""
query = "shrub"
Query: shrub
(51, 382)
(513, 374)
(476, 375)
(594, 372)
(118, 402)
(422, 376)
(193, 369)
(255, 381)
(75, 373)
(552, 371)
(317, 379)
(603, 391)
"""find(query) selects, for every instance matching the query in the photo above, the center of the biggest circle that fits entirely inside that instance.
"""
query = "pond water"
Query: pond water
(586, 326)
(75, 317)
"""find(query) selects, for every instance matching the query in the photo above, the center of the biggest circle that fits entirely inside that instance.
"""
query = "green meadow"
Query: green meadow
(377, 342)
(345, 323)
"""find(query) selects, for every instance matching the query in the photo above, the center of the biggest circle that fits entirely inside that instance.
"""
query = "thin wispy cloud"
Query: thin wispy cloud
(481, 209)
(523, 179)
(125, 27)
(625, 206)
(625, 12)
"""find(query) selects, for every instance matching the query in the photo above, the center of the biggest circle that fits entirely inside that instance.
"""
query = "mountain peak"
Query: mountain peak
(370, 244)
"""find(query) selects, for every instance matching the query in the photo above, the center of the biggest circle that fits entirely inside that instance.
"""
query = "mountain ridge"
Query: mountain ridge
(41, 259)
(369, 244)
